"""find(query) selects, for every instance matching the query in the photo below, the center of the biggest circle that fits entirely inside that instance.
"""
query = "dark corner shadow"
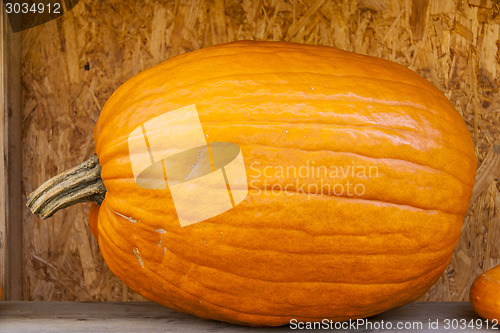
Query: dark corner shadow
(25, 14)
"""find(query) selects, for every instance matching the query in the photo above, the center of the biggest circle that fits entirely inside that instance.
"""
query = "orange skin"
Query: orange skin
(485, 294)
(273, 258)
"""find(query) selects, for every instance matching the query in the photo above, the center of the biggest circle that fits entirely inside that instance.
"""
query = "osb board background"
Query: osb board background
(73, 64)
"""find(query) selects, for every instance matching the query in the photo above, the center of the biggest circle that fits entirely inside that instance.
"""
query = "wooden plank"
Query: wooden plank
(150, 317)
(11, 273)
(3, 225)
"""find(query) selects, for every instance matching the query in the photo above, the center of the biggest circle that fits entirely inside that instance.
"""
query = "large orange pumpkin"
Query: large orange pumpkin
(303, 254)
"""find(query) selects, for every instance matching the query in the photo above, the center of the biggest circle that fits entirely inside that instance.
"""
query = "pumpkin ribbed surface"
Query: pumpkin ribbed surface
(278, 256)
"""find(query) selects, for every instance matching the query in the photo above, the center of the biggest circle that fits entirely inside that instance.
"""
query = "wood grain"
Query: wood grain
(11, 232)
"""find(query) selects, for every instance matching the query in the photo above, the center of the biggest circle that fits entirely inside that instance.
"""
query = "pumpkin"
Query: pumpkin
(485, 294)
(299, 245)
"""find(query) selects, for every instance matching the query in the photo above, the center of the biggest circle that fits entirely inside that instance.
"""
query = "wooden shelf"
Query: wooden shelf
(150, 317)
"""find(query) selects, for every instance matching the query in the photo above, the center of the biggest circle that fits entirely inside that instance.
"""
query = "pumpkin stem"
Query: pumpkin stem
(82, 183)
